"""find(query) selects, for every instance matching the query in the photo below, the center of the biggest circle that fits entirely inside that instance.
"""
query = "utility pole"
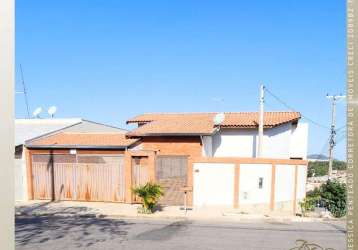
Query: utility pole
(261, 120)
(332, 140)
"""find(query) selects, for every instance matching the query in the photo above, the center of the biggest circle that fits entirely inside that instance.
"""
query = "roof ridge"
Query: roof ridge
(93, 133)
(226, 112)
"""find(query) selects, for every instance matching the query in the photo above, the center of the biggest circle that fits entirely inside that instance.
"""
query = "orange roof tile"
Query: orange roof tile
(67, 139)
(202, 123)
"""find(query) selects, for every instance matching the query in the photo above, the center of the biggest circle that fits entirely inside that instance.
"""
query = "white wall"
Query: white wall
(299, 141)
(20, 178)
(301, 182)
(283, 142)
(249, 191)
(284, 183)
(213, 184)
(234, 143)
(276, 143)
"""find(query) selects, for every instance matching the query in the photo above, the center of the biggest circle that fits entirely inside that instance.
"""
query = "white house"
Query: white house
(286, 141)
(223, 167)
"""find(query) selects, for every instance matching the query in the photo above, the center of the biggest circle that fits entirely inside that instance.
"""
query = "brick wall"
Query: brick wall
(190, 146)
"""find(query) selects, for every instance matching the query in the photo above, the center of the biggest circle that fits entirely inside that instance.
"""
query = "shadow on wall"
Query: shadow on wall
(77, 231)
(50, 168)
(254, 146)
(217, 141)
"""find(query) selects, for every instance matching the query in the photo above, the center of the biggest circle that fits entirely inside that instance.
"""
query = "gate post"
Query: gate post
(128, 177)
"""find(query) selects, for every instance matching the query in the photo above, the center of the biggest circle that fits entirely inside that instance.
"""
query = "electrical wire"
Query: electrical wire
(293, 109)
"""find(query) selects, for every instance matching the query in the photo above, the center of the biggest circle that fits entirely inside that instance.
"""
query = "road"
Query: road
(58, 232)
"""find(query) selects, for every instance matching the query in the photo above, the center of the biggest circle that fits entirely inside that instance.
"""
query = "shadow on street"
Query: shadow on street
(79, 230)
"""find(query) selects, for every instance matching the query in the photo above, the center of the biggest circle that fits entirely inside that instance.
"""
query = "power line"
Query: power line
(341, 135)
(293, 109)
(25, 92)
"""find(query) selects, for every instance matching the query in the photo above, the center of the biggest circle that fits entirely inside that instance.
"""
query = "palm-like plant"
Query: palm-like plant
(149, 193)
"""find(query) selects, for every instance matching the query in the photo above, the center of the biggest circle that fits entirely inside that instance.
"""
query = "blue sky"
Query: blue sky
(110, 60)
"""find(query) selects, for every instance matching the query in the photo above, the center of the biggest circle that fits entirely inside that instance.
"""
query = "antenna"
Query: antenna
(37, 112)
(218, 119)
(25, 92)
(52, 110)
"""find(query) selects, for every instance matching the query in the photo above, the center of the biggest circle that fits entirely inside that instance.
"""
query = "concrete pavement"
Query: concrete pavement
(89, 232)
(120, 210)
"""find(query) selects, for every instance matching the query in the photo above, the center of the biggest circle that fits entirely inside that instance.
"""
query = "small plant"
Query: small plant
(308, 204)
(150, 194)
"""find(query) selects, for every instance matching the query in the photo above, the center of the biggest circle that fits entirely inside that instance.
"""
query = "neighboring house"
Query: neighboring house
(84, 162)
(26, 129)
(218, 165)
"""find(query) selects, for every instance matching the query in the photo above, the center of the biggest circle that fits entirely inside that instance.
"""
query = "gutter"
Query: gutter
(171, 134)
(75, 147)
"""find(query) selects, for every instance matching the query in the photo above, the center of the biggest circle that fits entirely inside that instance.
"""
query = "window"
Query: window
(261, 180)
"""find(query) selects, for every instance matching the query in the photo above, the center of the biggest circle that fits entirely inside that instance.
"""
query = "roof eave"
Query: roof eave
(76, 147)
(169, 134)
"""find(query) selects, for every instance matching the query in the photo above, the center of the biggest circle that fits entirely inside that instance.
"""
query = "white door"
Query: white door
(213, 184)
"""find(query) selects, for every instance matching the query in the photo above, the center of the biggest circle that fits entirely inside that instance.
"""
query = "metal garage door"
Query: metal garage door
(171, 174)
(78, 177)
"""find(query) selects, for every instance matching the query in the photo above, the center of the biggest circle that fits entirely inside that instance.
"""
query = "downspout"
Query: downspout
(202, 146)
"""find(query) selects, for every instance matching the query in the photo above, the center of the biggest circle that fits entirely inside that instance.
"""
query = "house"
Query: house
(80, 162)
(26, 129)
(218, 165)
(198, 163)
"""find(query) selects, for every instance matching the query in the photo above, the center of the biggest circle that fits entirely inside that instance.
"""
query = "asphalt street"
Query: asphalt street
(59, 232)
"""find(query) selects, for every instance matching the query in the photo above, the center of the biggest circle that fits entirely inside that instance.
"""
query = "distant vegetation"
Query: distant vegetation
(320, 168)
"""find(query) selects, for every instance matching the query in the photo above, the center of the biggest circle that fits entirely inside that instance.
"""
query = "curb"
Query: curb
(224, 216)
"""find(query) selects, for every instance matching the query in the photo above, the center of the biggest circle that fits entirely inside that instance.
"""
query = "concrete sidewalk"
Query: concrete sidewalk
(120, 210)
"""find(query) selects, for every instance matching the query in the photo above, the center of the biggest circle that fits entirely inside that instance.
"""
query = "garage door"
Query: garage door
(81, 177)
(171, 174)
(213, 184)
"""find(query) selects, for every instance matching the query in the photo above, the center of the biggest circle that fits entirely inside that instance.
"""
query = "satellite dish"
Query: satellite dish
(52, 110)
(219, 118)
(37, 112)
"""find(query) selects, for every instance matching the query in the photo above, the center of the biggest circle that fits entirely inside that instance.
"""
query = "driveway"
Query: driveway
(89, 232)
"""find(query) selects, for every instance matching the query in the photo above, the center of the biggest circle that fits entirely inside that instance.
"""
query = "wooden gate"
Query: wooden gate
(171, 174)
(78, 177)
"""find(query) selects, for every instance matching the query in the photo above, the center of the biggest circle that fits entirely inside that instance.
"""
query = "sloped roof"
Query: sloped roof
(26, 129)
(82, 140)
(202, 123)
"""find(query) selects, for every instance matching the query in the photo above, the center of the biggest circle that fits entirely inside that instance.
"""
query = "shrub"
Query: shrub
(309, 203)
(149, 193)
(334, 195)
